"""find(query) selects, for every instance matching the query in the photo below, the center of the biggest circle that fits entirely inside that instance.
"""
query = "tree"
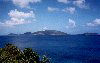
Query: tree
(12, 54)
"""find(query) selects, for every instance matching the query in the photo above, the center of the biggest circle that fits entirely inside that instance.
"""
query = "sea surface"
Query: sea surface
(60, 49)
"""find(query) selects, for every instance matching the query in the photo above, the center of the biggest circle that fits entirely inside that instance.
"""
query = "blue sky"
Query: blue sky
(71, 16)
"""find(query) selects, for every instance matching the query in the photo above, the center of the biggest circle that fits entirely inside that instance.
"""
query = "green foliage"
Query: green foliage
(12, 54)
(45, 59)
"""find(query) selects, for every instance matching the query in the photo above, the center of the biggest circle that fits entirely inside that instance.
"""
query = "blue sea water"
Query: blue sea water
(60, 49)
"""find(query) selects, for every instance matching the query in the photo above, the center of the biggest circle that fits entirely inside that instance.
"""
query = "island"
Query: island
(49, 32)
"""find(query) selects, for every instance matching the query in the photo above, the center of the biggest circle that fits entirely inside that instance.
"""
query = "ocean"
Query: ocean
(60, 49)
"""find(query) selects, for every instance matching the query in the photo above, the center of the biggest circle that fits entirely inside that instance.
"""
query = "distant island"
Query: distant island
(50, 32)
(45, 32)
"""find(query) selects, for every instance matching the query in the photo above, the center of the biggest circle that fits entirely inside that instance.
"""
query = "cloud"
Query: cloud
(71, 24)
(17, 14)
(80, 3)
(63, 1)
(24, 3)
(18, 18)
(96, 22)
(51, 9)
(70, 10)
(45, 28)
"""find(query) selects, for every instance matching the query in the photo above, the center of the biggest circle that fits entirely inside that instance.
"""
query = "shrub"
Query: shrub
(12, 54)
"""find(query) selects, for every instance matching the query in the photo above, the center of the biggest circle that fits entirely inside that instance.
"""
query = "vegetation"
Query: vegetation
(12, 54)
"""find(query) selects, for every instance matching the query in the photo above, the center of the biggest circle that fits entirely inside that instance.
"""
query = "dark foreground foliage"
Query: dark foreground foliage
(12, 54)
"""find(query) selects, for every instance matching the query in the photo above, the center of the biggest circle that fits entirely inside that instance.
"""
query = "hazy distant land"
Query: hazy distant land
(50, 32)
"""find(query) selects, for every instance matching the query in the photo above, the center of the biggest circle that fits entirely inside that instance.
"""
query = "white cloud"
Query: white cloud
(96, 22)
(18, 18)
(17, 14)
(70, 10)
(71, 24)
(63, 1)
(51, 9)
(80, 3)
(45, 28)
(24, 3)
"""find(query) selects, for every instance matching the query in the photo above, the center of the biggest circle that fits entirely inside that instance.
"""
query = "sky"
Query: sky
(70, 16)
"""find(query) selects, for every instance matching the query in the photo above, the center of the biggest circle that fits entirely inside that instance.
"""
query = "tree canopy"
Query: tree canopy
(12, 54)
